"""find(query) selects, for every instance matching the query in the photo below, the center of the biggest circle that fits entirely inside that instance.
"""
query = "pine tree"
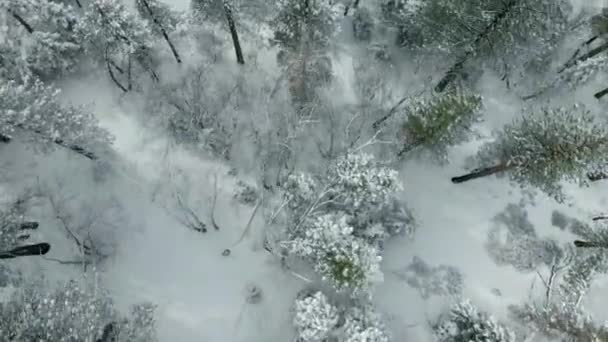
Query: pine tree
(475, 30)
(303, 32)
(161, 19)
(47, 41)
(545, 149)
(215, 9)
(117, 40)
(363, 324)
(435, 124)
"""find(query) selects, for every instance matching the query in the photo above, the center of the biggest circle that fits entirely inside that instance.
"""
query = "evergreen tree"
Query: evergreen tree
(478, 31)
(544, 149)
(433, 125)
(315, 317)
(303, 32)
(46, 40)
(161, 19)
(215, 9)
(117, 40)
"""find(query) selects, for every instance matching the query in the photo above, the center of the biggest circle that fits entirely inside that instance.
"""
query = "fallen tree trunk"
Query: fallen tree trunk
(75, 148)
(479, 173)
(601, 93)
(587, 244)
(36, 249)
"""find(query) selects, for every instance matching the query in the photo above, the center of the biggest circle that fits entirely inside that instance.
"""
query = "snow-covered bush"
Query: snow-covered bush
(315, 317)
(364, 324)
(72, 313)
(465, 323)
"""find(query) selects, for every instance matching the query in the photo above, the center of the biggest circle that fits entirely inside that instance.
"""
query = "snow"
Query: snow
(201, 295)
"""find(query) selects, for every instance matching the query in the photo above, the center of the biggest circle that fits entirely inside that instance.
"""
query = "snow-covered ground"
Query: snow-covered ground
(201, 294)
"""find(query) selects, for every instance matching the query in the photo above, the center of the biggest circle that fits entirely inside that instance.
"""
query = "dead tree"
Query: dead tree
(457, 68)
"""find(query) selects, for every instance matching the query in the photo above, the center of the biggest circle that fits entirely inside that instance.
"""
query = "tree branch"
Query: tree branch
(479, 173)
(162, 30)
(21, 21)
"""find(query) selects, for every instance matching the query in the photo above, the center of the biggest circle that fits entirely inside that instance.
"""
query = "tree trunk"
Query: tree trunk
(234, 34)
(347, 8)
(28, 225)
(37, 249)
(590, 54)
(601, 93)
(450, 76)
(75, 148)
(162, 30)
(21, 21)
(109, 333)
(586, 244)
(596, 176)
(479, 173)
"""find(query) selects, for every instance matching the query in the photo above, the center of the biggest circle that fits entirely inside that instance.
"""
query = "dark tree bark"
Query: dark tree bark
(29, 225)
(234, 34)
(479, 173)
(586, 244)
(455, 70)
(582, 58)
(162, 30)
(109, 334)
(347, 8)
(36, 249)
(78, 3)
(601, 93)
(75, 148)
(21, 21)
(596, 176)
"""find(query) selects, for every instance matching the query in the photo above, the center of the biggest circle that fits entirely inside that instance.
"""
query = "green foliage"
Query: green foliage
(546, 148)
(344, 271)
(435, 124)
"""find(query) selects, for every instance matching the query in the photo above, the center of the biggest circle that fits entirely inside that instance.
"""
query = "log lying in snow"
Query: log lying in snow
(75, 148)
(586, 244)
(36, 249)
(479, 173)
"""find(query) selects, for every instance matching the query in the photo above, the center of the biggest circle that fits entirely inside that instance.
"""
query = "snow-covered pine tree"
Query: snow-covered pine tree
(432, 125)
(117, 40)
(479, 31)
(221, 10)
(303, 32)
(72, 313)
(34, 111)
(162, 20)
(546, 148)
(338, 221)
(465, 322)
(43, 35)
